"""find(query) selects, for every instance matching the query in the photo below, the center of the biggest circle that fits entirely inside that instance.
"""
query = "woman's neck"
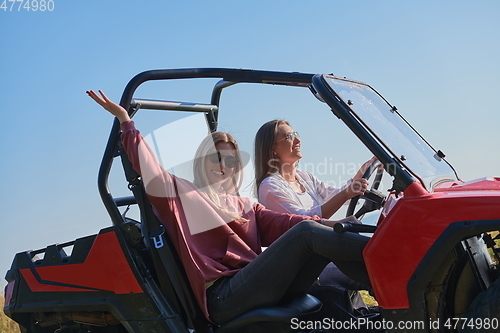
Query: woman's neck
(217, 187)
(287, 171)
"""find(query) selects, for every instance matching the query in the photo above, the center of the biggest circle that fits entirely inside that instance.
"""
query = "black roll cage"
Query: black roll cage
(228, 78)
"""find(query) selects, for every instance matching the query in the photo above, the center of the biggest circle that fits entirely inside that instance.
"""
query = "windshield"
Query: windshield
(393, 131)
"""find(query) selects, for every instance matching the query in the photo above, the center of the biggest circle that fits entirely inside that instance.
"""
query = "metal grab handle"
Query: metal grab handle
(171, 105)
(341, 227)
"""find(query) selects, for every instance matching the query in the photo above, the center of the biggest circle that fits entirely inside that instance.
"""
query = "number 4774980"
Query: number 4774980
(27, 5)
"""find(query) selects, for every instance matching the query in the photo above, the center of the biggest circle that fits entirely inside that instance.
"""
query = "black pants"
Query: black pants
(287, 268)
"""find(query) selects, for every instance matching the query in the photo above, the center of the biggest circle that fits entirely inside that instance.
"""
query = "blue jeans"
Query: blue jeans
(286, 269)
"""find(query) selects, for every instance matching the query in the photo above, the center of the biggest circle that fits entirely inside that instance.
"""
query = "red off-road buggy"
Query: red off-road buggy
(428, 258)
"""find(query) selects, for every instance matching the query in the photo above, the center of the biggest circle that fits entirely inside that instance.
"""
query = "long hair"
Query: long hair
(207, 146)
(266, 162)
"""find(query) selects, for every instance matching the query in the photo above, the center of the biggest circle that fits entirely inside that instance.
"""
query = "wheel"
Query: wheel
(484, 312)
(373, 198)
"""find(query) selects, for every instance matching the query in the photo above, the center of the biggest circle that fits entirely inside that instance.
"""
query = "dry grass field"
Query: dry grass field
(6, 324)
(369, 300)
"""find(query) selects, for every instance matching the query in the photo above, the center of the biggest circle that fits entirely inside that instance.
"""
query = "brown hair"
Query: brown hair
(266, 162)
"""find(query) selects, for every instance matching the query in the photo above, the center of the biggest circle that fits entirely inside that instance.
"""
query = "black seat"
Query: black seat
(281, 314)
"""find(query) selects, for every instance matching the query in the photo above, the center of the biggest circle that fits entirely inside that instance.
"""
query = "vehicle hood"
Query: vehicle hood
(481, 184)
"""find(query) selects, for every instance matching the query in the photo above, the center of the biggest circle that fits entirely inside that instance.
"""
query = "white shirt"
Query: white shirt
(275, 193)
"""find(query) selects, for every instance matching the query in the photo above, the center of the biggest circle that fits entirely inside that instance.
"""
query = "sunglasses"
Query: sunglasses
(229, 161)
(290, 136)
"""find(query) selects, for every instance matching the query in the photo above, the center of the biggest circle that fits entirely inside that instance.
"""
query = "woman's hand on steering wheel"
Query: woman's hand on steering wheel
(363, 169)
(368, 169)
(357, 187)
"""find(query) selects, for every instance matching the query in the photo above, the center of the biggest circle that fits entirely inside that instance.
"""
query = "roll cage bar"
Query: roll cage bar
(228, 78)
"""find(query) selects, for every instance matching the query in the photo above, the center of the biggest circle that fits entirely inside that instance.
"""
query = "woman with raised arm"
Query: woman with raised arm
(219, 235)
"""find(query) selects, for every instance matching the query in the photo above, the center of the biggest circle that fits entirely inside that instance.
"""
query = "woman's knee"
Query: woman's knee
(306, 225)
(313, 228)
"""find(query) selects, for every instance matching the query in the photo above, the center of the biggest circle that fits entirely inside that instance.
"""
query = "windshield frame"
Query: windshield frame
(372, 124)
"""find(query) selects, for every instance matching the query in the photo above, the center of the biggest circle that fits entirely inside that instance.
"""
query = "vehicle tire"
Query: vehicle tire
(484, 312)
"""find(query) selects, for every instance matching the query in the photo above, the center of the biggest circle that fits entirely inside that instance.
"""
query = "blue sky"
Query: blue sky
(436, 60)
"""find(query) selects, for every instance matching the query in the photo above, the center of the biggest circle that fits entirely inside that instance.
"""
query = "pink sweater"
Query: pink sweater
(209, 242)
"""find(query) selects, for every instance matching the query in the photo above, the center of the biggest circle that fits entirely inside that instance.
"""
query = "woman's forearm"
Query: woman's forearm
(333, 205)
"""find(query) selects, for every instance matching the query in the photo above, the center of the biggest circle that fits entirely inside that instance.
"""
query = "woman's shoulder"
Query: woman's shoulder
(272, 184)
(247, 205)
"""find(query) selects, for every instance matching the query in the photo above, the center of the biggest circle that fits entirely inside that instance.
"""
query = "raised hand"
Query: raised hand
(113, 108)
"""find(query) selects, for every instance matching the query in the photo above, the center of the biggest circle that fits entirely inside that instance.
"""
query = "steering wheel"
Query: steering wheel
(374, 199)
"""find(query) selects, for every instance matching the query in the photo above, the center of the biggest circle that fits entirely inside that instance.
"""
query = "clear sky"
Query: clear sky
(437, 61)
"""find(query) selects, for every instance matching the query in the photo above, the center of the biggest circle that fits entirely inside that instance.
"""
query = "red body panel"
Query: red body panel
(412, 227)
(105, 268)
